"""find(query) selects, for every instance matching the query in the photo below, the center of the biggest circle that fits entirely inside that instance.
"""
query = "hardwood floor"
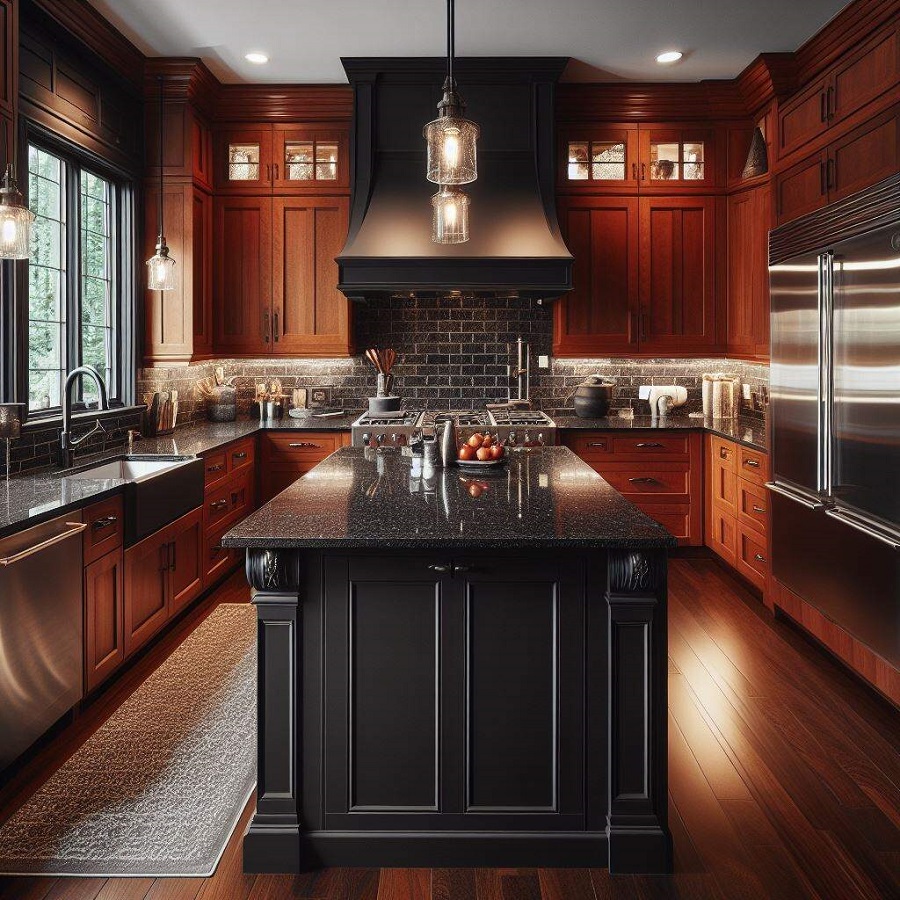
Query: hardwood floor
(784, 781)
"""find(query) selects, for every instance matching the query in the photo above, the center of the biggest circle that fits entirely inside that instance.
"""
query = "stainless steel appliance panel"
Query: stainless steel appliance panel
(795, 388)
(850, 577)
(41, 636)
(865, 446)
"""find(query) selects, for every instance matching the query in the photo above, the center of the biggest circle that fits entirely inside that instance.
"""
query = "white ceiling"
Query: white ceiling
(609, 39)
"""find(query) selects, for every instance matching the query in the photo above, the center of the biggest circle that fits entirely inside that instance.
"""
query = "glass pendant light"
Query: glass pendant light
(450, 216)
(451, 138)
(160, 266)
(15, 217)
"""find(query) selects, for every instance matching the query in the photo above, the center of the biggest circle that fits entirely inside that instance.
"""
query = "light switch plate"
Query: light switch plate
(644, 392)
(746, 389)
(543, 362)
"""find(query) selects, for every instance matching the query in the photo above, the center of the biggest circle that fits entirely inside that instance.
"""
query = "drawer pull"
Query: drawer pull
(753, 463)
(601, 444)
(644, 445)
(441, 568)
(105, 522)
(645, 480)
(218, 504)
(723, 452)
(305, 444)
(759, 557)
(759, 509)
(241, 455)
(216, 468)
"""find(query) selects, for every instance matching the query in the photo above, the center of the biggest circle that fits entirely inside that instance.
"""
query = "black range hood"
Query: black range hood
(515, 247)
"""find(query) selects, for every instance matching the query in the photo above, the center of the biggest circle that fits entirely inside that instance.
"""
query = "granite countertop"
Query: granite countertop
(358, 498)
(746, 431)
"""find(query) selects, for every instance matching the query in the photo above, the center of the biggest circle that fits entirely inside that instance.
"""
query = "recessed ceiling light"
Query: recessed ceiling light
(260, 59)
(669, 56)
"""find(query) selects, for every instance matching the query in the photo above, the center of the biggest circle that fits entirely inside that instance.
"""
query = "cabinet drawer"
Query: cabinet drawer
(105, 526)
(721, 534)
(663, 480)
(724, 452)
(228, 502)
(303, 445)
(589, 445)
(216, 559)
(651, 445)
(753, 505)
(753, 465)
(241, 455)
(674, 517)
(751, 559)
(215, 466)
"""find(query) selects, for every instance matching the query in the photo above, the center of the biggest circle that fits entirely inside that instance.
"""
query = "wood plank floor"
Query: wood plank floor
(784, 781)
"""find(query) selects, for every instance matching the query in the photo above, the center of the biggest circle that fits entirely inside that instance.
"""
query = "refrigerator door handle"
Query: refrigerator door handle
(859, 525)
(825, 372)
(794, 495)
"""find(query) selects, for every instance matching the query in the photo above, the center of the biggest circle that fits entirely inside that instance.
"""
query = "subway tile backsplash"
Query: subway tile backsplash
(451, 353)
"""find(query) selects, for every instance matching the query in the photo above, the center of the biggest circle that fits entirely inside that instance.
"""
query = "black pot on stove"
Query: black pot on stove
(593, 397)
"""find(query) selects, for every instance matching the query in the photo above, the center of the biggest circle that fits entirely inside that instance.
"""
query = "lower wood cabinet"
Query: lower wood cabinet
(104, 614)
(162, 575)
(288, 455)
(478, 721)
(659, 471)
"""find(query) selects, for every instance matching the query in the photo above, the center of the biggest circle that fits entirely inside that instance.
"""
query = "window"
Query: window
(74, 286)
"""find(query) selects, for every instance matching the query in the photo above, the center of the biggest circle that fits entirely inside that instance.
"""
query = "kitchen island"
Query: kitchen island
(458, 669)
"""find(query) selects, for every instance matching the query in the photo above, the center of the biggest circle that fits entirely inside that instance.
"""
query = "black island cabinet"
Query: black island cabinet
(450, 677)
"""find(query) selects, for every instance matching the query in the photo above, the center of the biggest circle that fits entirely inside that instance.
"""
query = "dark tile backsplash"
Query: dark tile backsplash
(451, 352)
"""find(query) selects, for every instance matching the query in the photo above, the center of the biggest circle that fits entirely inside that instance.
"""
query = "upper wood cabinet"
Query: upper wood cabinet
(862, 157)
(9, 64)
(643, 158)
(282, 159)
(276, 276)
(644, 277)
(854, 82)
(678, 275)
(602, 308)
(749, 221)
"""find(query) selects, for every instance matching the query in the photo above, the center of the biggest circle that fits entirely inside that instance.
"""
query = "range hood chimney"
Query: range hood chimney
(515, 247)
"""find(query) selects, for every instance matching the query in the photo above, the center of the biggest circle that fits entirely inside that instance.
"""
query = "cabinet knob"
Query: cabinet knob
(723, 453)
(646, 445)
(216, 468)
(441, 568)
(457, 568)
(759, 509)
(105, 522)
(218, 504)
(753, 463)
(241, 455)
(759, 557)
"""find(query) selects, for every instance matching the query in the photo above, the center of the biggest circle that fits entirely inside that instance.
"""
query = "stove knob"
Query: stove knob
(527, 439)
(365, 439)
(540, 439)
(511, 439)
(394, 438)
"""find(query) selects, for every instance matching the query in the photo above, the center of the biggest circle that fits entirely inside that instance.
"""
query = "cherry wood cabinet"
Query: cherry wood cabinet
(600, 313)
(749, 222)
(243, 274)
(276, 276)
(163, 574)
(287, 456)
(104, 611)
(243, 159)
(9, 64)
(677, 159)
(310, 316)
(599, 159)
(678, 275)
(862, 157)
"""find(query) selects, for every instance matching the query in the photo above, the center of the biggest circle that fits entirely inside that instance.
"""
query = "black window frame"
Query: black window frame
(123, 230)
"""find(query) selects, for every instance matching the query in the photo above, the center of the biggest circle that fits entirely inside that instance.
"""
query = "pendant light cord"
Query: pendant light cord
(160, 156)
(451, 38)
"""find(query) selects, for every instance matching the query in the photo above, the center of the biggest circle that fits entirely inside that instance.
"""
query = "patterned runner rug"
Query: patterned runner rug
(159, 788)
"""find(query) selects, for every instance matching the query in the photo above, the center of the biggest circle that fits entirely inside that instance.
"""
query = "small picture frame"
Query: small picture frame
(319, 397)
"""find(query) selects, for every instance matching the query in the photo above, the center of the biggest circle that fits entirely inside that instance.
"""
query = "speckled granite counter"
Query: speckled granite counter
(356, 499)
(747, 431)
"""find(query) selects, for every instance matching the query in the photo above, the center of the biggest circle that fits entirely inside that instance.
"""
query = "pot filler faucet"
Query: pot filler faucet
(67, 443)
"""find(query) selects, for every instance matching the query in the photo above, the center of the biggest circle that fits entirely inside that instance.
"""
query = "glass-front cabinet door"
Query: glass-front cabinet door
(676, 157)
(244, 159)
(601, 160)
(310, 159)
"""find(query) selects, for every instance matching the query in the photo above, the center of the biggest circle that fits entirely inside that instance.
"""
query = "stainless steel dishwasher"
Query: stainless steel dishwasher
(41, 626)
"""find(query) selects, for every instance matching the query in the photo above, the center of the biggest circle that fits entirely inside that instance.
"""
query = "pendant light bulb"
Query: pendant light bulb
(160, 266)
(450, 216)
(15, 220)
(451, 138)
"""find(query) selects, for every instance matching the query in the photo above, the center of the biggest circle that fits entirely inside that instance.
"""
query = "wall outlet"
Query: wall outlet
(746, 390)
(543, 362)
(644, 392)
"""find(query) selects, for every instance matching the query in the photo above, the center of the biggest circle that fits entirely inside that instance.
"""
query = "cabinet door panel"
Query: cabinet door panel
(244, 159)
(802, 119)
(243, 239)
(104, 622)
(865, 156)
(146, 589)
(598, 315)
(801, 189)
(678, 270)
(313, 316)
(186, 563)
(202, 238)
(871, 71)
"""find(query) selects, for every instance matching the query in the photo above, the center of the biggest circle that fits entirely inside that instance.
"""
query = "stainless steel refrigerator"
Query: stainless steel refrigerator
(835, 428)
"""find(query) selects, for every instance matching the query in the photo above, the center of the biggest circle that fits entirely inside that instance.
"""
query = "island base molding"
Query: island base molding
(460, 707)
